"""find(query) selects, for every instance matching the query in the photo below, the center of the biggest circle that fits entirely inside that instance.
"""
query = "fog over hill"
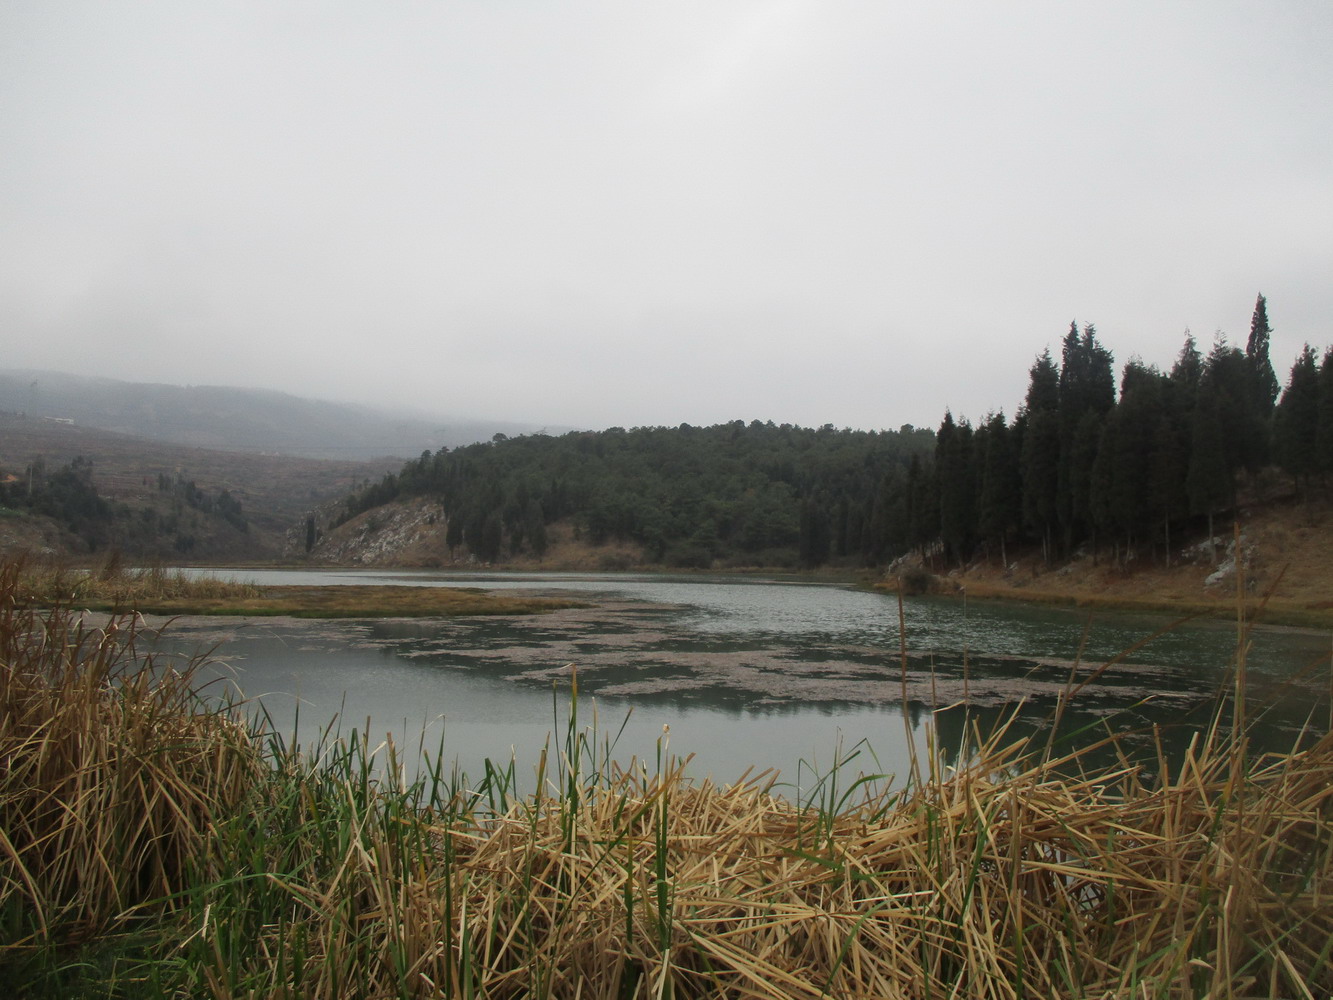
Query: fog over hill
(238, 419)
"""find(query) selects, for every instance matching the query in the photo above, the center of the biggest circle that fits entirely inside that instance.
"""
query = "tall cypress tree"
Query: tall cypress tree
(1324, 435)
(924, 512)
(1169, 498)
(1296, 421)
(1137, 418)
(1209, 481)
(1087, 386)
(1264, 383)
(1188, 368)
(1227, 375)
(1174, 434)
(1041, 450)
(953, 463)
(999, 505)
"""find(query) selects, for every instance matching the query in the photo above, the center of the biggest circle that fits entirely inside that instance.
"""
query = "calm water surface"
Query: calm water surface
(743, 670)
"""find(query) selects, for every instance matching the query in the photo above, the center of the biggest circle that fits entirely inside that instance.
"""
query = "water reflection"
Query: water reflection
(744, 671)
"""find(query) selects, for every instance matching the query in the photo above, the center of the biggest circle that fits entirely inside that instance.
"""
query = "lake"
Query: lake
(740, 670)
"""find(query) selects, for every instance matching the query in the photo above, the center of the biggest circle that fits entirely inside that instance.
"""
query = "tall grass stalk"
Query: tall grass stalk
(155, 846)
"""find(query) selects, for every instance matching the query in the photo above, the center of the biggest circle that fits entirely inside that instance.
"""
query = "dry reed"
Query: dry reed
(113, 586)
(328, 874)
(112, 772)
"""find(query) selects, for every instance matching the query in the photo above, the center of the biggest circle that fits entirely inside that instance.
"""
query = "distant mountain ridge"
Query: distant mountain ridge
(237, 419)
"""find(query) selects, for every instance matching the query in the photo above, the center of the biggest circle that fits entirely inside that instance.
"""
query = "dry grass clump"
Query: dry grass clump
(111, 773)
(1002, 880)
(328, 874)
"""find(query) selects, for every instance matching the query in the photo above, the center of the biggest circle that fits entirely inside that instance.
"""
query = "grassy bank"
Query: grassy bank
(159, 591)
(1284, 575)
(1273, 611)
(155, 846)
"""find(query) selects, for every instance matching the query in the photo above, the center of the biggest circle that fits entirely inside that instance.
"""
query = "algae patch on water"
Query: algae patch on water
(357, 602)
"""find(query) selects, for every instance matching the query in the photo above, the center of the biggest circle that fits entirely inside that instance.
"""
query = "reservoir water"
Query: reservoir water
(743, 671)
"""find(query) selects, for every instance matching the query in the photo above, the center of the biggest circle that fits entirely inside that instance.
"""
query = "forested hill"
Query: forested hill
(1089, 462)
(737, 494)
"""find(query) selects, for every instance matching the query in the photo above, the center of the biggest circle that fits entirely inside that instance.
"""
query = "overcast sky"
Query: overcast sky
(605, 213)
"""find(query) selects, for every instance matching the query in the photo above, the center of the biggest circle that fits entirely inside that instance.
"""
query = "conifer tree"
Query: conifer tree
(1209, 480)
(924, 515)
(1170, 464)
(953, 464)
(1087, 441)
(1264, 383)
(1324, 434)
(1040, 458)
(1296, 421)
(1227, 376)
(1087, 386)
(1138, 418)
(1171, 458)
(1188, 368)
(999, 507)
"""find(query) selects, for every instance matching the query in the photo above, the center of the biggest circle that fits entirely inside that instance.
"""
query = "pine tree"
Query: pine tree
(1209, 481)
(1138, 418)
(1188, 368)
(1170, 463)
(1172, 457)
(953, 462)
(1040, 458)
(1087, 386)
(1087, 440)
(1264, 383)
(1296, 421)
(1227, 375)
(1324, 433)
(924, 512)
(999, 506)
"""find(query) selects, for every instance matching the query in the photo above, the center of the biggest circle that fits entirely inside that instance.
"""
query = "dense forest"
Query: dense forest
(1086, 462)
(739, 494)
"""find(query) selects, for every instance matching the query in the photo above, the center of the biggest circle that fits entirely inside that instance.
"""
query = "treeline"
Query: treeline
(1089, 460)
(1083, 464)
(730, 494)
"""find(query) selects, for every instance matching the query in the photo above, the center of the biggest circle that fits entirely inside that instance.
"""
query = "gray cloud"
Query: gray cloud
(604, 214)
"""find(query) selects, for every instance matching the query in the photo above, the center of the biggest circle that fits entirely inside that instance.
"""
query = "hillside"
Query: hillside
(737, 494)
(1286, 558)
(1287, 551)
(235, 419)
(150, 479)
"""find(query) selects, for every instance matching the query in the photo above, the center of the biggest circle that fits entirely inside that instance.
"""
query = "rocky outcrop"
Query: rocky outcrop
(406, 533)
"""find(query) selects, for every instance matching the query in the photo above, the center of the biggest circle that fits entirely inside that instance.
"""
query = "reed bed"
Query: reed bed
(113, 586)
(208, 858)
